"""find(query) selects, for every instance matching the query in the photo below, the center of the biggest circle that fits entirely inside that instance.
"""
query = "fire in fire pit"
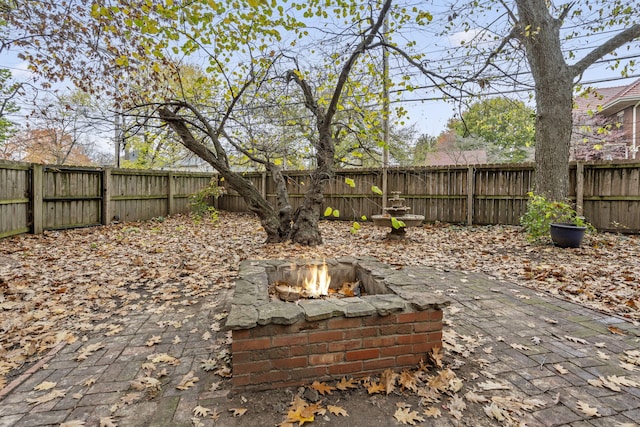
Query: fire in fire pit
(312, 281)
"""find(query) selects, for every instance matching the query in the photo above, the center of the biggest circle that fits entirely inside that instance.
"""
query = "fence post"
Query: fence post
(470, 187)
(37, 204)
(263, 183)
(170, 193)
(580, 188)
(106, 196)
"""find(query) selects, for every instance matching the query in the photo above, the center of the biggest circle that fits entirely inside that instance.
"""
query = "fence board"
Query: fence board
(73, 197)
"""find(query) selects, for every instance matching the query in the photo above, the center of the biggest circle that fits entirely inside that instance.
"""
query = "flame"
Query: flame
(316, 280)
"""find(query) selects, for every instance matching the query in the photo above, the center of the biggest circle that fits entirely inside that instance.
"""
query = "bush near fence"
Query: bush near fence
(35, 197)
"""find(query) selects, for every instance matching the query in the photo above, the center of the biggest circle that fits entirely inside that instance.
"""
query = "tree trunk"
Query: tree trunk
(305, 222)
(257, 204)
(554, 104)
(539, 32)
(282, 200)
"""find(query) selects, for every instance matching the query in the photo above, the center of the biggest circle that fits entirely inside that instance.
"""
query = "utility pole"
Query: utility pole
(385, 114)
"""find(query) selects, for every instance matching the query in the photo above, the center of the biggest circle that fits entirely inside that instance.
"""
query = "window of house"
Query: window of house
(620, 120)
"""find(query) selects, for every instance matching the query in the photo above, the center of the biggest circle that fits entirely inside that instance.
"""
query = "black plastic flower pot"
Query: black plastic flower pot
(567, 235)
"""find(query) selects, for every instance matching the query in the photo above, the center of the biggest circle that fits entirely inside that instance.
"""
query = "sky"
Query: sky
(426, 113)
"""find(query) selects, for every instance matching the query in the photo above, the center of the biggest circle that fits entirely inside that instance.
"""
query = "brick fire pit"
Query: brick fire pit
(394, 324)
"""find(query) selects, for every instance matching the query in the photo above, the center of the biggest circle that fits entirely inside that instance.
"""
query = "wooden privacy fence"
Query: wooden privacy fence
(607, 194)
(34, 198)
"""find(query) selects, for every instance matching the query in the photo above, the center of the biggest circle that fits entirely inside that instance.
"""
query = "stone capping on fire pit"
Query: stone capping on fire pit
(388, 290)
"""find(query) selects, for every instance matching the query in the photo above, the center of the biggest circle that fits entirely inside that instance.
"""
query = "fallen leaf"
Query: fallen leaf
(156, 339)
(493, 385)
(407, 416)
(53, 394)
(238, 412)
(494, 411)
(45, 385)
(432, 412)
(561, 370)
(616, 330)
(473, 397)
(201, 411)
(576, 340)
(187, 381)
(107, 422)
(588, 410)
(345, 384)
(209, 364)
(337, 410)
(375, 387)
(322, 388)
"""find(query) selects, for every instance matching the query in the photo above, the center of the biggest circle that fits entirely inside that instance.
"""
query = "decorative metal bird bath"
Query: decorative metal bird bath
(397, 218)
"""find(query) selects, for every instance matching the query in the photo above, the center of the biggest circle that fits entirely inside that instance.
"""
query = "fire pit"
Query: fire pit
(361, 316)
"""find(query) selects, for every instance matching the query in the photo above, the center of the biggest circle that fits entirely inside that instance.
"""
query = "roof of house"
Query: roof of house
(609, 100)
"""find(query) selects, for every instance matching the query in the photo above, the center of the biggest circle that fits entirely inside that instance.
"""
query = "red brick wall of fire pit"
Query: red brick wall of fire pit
(274, 355)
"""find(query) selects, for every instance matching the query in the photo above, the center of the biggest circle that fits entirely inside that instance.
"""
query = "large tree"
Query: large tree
(245, 46)
(505, 125)
(504, 45)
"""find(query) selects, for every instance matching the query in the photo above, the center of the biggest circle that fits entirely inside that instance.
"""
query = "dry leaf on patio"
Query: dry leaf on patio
(494, 411)
(215, 414)
(322, 388)
(196, 422)
(176, 340)
(107, 422)
(604, 382)
(345, 384)
(188, 381)
(616, 330)
(375, 387)
(209, 364)
(576, 340)
(388, 379)
(629, 366)
(436, 356)
(432, 412)
(45, 385)
(623, 381)
(602, 355)
(130, 398)
(201, 411)
(588, 410)
(206, 336)
(238, 412)
(474, 397)
(520, 347)
(407, 416)
(156, 339)
(561, 370)
(88, 350)
(337, 410)
(493, 385)
(53, 394)
(163, 358)
(88, 382)
(457, 406)
(408, 381)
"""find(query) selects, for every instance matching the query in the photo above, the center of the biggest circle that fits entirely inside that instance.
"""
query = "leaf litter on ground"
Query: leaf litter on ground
(92, 280)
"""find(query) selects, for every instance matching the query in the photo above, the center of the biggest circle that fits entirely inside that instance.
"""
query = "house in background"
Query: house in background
(605, 124)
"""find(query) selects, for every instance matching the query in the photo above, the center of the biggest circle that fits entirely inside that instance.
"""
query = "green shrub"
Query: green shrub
(541, 213)
(201, 201)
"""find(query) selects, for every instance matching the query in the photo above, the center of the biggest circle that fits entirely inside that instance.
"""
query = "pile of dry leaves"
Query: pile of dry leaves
(58, 286)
